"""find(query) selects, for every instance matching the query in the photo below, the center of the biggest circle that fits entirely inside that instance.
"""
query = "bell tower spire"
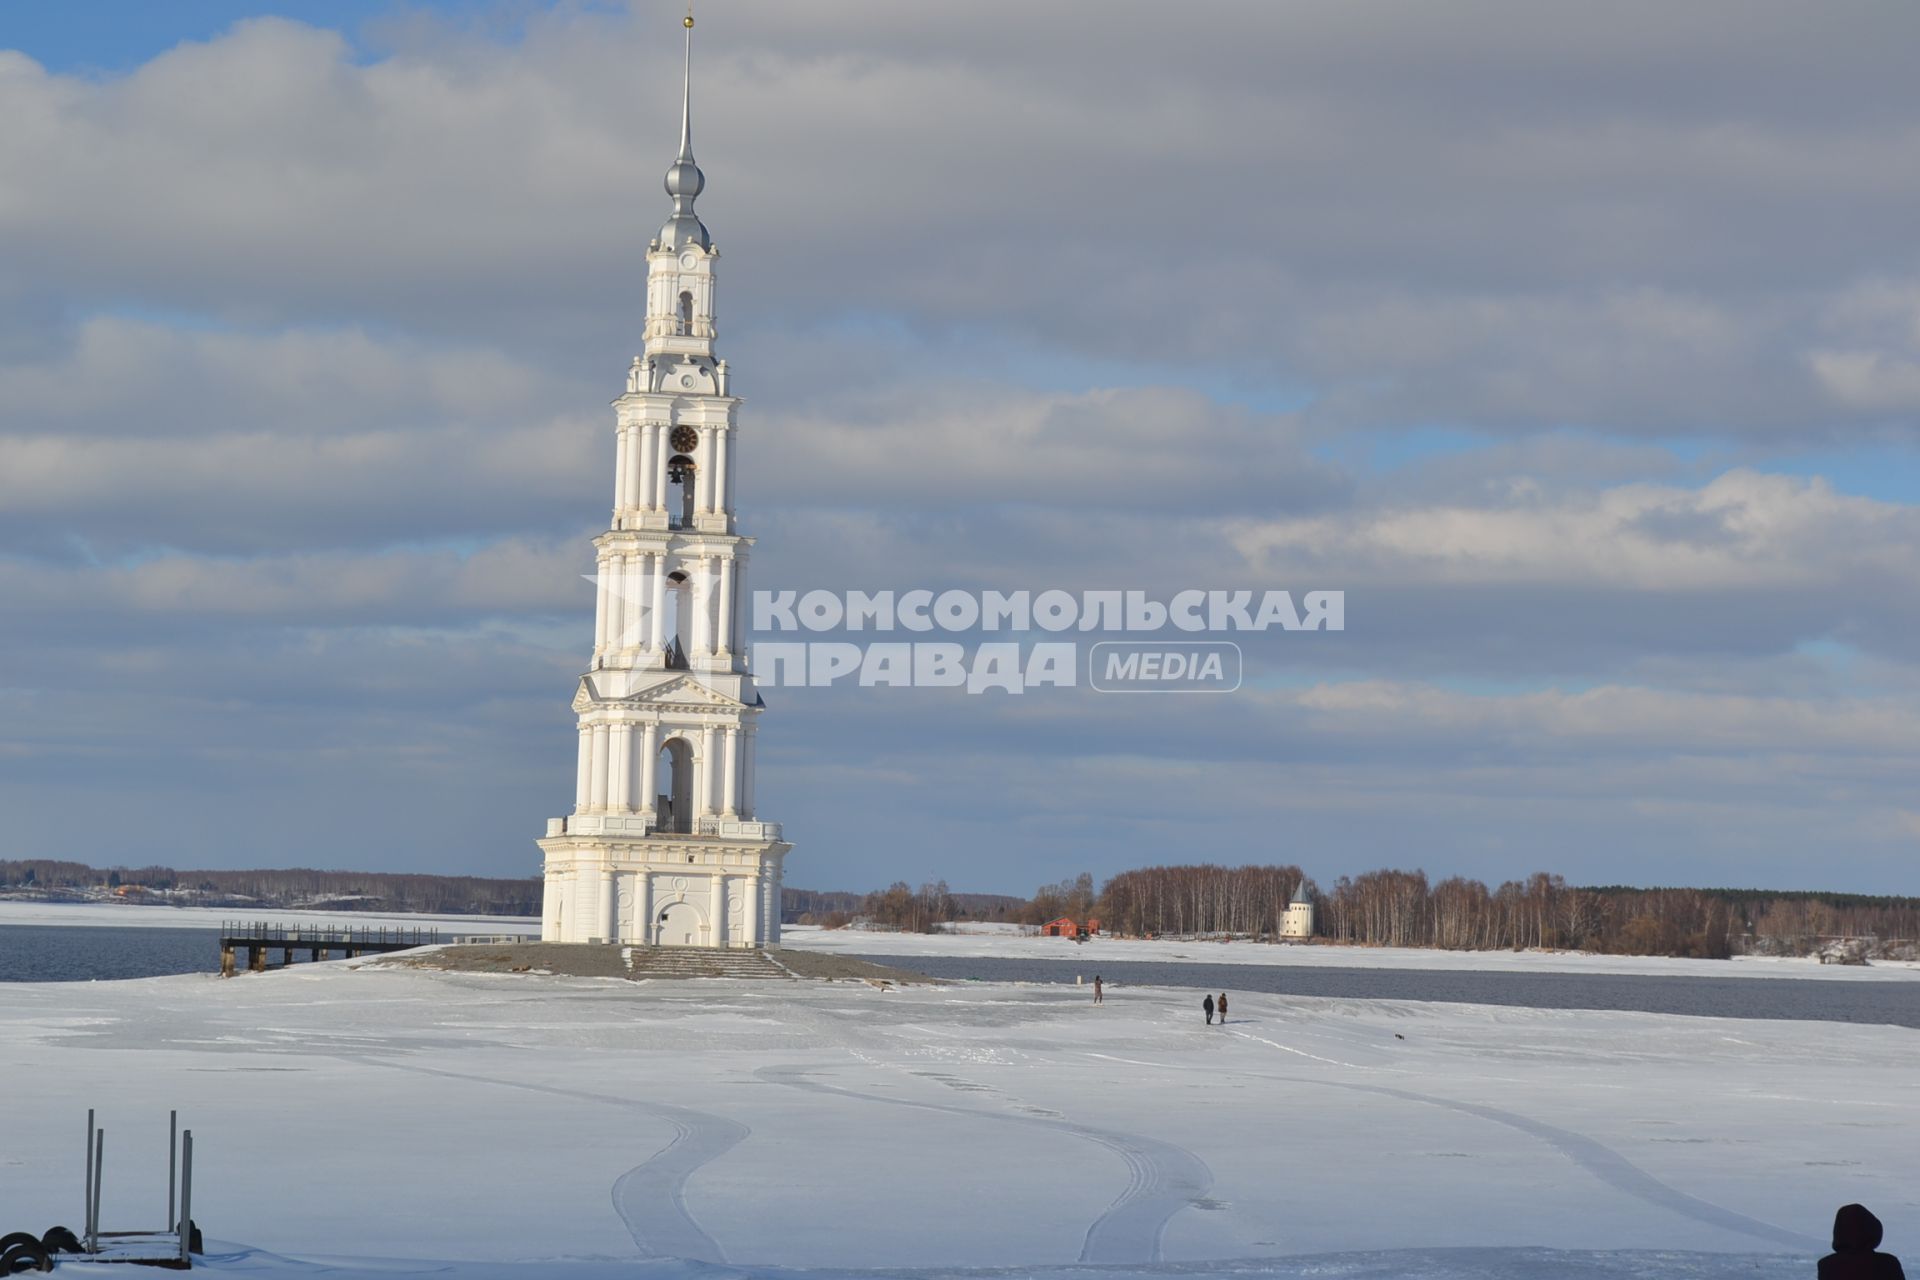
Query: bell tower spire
(685, 182)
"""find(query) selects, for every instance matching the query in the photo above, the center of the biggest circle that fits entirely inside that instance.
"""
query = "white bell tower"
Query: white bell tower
(664, 846)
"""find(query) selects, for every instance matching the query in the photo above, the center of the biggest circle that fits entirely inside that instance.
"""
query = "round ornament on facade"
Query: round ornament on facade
(686, 379)
(688, 261)
(680, 883)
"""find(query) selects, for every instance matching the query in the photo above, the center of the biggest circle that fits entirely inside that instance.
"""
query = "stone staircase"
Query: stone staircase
(701, 962)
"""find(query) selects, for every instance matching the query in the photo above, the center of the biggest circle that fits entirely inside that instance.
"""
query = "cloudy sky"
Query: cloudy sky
(1579, 344)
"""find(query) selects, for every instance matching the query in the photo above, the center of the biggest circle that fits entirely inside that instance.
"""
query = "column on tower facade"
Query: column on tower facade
(709, 489)
(709, 605)
(550, 907)
(718, 908)
(649, 767)
(622, 443)
(750, 911)
(696, 602)
(609, 916)
(730, 780)
(640, 467)
(598, 799)
(649, 446)
(746, 770)
(771, 933)
(722, 470)
(740, 599)
(643, 907)
(601, 578)
(724, 640)
(620, 743)
(638, 592)
(617, 603)
(704, 777)
(658, 640)
(661, 453)
(727, 491)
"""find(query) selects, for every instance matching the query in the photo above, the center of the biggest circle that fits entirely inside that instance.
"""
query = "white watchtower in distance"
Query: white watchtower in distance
(664, 846)
(1296, 924)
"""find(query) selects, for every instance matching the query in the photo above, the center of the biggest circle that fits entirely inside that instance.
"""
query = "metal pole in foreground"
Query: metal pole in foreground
(86, 1200)
(99, 1171)
(173, 1146)
(186, 1194)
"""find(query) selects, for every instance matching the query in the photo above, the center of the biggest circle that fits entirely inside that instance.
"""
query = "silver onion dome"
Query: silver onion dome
(684, 180)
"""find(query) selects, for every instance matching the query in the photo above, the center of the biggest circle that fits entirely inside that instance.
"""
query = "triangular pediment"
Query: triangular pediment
(585, 696)
(683, 691)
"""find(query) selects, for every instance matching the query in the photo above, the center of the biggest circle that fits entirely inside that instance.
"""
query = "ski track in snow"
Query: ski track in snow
(1162, 1178)
(1597, 1158)
(651, 1197)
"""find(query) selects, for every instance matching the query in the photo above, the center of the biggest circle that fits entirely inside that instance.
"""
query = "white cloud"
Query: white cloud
(1743, 531)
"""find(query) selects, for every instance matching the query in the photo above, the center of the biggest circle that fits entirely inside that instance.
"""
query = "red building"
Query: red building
(1068, 927)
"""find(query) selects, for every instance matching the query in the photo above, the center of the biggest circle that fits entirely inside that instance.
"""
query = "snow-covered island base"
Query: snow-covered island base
(354, 1119)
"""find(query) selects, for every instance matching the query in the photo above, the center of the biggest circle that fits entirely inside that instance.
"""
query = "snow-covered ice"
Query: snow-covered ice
(356, 1119)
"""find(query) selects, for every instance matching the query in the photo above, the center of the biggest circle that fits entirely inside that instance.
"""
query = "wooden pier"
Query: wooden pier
(259, 940)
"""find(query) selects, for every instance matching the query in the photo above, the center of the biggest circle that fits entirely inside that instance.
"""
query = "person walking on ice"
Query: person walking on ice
(1207, 1004)
(1223, 1008)
(1098, 997)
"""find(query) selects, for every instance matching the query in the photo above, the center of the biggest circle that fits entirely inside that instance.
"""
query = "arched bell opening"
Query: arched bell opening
(674, 805)
(681, 472)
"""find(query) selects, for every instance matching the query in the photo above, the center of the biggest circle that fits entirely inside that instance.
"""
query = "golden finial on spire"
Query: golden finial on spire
(689, 18)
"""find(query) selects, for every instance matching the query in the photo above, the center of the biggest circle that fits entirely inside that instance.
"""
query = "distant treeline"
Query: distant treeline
(900, 906)
(295, 887)
(1401, 908)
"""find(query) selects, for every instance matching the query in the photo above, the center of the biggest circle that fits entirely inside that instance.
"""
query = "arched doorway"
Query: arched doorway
(679, 926)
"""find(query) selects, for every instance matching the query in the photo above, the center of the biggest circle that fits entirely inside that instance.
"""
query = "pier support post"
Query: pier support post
(86, 1216)
(186, 1195)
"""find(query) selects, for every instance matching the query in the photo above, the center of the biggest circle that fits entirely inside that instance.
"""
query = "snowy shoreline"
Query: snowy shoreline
(1009, 942)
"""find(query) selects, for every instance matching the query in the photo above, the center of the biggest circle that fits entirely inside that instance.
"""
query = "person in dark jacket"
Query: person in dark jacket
(1223, 1008)
(1098, 993)
(1856, 1239)
(1207, 1004)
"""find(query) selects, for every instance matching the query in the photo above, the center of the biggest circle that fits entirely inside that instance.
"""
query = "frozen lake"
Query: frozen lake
(482, 1126)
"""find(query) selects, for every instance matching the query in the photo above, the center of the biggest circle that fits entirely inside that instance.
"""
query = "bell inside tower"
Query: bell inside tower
(680, 474)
